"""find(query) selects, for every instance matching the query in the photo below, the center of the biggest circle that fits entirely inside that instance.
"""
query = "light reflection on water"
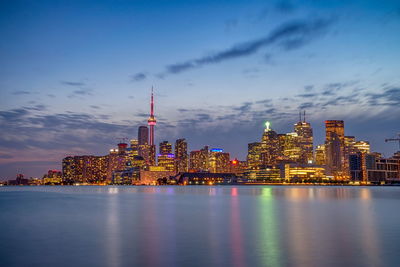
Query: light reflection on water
(199, 226)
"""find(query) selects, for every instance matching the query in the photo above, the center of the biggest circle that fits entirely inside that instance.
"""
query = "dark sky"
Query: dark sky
(76, 75)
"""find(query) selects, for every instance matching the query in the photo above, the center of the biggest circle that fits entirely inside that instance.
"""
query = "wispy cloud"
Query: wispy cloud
(291, 35)
(21, 93)
(140, 76)
(75, 84)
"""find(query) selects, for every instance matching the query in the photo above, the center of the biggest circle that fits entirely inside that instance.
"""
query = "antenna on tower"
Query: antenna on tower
(299, 115)
(304, 118)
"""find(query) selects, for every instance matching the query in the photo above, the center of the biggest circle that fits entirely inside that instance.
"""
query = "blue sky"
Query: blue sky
(76, 75)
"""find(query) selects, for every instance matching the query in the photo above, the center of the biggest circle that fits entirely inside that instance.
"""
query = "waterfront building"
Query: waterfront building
(86, 169)
(219, 161)
(254, 159)
(167, 161)
(295, 172)
(199, 160)
(150, 177)
(371, 168)
(335, 149)
(127, 176)
(238, 167)
(53, 177)
(181, 156)
(118, 160)
(262, 175)
(204, 178)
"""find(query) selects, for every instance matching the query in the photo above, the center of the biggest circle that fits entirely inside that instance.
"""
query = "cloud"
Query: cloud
(5, 156)
(21, 93)
(140, 76)
(288, 36)
(307, 95)
(389, 97)
(81, 92)
(74, 84)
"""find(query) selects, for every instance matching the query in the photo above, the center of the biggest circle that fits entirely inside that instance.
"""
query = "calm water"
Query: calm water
(200, 226)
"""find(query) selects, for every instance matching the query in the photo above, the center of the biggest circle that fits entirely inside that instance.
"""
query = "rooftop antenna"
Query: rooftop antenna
(300, 115)
(304, 118)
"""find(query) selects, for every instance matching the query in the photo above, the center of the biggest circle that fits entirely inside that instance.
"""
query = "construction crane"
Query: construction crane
(394, 140)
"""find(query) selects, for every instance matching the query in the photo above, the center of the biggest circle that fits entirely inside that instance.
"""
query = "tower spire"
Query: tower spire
(299, 115)
(152, 103)
(152, 120)
(304, 117)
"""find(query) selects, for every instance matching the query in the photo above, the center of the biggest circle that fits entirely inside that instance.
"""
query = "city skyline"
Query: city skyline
(216, 80)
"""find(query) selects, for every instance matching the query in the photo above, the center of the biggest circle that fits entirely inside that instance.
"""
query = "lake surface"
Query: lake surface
(199, 226)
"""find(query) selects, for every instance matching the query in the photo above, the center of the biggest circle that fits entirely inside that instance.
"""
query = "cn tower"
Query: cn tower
(152, 120)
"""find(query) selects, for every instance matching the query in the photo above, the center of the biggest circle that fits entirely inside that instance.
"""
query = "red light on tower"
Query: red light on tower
(234, 162)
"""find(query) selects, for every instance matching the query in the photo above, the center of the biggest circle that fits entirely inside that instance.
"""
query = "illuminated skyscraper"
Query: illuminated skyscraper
(199, 160)
(219, 161)
(305, 140)
(181, 156)
(335, 148)
(254, 159)
(270, 146)
(143, 135)
(165, 148)
(167, 161)
(320, 158)
(290, 147)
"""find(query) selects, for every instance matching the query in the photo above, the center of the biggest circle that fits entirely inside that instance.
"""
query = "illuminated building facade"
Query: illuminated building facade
(202, 178)
(290, 147)
(85, 169)
(305, 140)
(167, 161)
(238, 167)
(320, 158)
(134, 147)
(53, 177)
(219, 162)
(150, 177)
(335, 148)
(362, 146)
(199, 160)
(302, 172)
(181, 156)
(127, 176)
(254, 159)
(118, 160)
(165, 148)
(262, 175)
(371, 168)
(270, 146)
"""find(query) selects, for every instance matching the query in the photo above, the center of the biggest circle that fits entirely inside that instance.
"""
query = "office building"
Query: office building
(181, 156)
